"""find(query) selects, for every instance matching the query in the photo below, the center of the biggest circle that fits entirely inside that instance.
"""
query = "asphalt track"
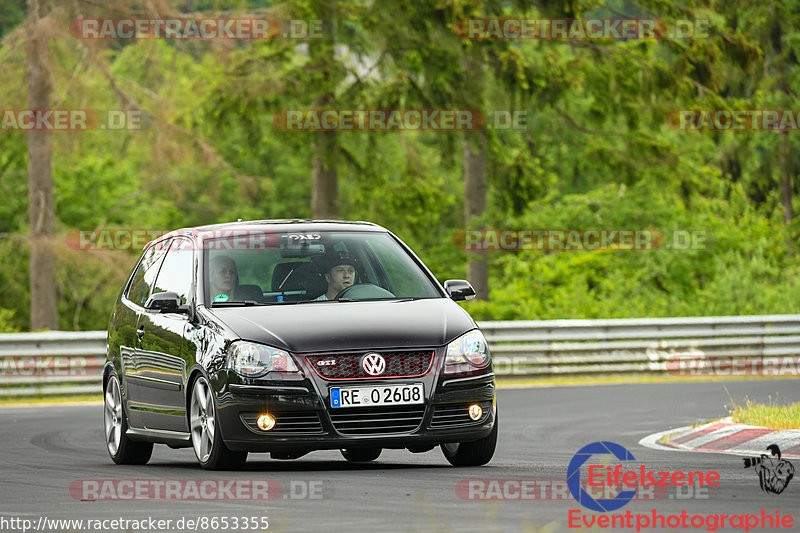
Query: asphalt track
(43, 450)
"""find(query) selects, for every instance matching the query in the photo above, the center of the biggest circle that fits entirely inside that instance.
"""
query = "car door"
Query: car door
(126, 320)
(161, 359)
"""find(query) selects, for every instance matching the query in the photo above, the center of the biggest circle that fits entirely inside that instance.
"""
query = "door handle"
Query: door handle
(140, 333)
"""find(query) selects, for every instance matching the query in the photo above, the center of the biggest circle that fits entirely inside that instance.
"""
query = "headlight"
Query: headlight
(469, 348)
(251, 359)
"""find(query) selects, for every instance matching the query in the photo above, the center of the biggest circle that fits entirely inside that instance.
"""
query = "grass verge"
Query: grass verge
(615, 379)
(51, 399)
(771, 416)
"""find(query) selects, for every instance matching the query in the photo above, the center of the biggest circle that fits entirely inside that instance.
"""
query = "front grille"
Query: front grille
(348, 366)
(377, 420)
(457, 414)
(292, 422)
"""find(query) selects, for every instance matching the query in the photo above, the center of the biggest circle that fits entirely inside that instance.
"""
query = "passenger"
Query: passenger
(224, 278)
(340, 275)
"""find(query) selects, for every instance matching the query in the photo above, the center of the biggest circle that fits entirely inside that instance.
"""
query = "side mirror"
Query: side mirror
(459, 289)
(166, 302)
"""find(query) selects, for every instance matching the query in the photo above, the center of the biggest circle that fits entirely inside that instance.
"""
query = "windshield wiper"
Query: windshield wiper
(243, 303)
(249, 303)
(392, 299)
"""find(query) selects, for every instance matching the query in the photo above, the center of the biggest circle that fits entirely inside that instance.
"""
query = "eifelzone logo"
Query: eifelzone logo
(608, 477)
(574, 476)
(774, 473)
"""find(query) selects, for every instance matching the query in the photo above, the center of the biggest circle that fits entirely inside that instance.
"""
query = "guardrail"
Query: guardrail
(693, 346)
(61, 363)
(52, 363)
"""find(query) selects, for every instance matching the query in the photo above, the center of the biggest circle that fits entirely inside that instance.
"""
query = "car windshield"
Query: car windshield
(271, 268)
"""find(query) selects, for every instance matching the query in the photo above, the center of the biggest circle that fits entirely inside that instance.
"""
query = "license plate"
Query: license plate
(383, 395)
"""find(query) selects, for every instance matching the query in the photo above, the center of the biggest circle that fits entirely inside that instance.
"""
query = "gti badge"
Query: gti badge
(373, 364)
(326, 362)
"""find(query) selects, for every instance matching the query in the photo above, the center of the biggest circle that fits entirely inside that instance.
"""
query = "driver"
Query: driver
(341, 274)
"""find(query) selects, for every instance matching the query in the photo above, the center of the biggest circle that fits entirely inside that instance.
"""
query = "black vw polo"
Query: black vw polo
(293, 336)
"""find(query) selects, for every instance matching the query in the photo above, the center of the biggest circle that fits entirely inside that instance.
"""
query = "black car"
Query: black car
(292, 336)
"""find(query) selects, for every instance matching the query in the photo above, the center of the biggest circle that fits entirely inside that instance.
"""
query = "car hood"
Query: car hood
(336, 326)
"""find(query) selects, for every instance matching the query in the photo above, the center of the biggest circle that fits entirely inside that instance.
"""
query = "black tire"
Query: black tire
(476, 453)
(122, 449)
(361, 455)
(210, 450)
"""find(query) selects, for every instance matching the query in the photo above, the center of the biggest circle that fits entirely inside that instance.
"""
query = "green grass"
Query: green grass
(51, 399)
(613, 379)
(771, 416)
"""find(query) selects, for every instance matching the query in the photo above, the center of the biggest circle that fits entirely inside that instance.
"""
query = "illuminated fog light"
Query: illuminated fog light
(267, 421)
(475, 411)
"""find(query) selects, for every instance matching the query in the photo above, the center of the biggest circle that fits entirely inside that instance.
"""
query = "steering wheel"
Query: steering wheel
(363, 291)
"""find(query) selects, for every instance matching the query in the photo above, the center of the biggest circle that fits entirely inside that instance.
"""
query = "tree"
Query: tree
(44, 310)
(474, 149)
(324, 145)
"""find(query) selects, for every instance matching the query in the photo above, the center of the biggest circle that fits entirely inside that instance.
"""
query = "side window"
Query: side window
(145, 274)
(176, 271)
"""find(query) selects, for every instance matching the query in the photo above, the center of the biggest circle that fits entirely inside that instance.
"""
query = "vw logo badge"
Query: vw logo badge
(373, 364)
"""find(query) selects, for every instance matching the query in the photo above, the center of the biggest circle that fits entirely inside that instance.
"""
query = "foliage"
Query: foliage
(597, 151)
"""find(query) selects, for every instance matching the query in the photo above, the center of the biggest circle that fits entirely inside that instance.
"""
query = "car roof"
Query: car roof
(279, 225)
(299, 224)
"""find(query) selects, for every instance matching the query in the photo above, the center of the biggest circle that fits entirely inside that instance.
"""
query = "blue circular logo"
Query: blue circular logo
(574, 476)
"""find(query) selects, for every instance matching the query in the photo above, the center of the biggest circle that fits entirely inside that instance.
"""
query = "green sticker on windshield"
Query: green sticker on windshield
(221, 298)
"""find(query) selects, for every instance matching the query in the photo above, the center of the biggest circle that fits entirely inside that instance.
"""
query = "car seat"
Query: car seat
(298, 281)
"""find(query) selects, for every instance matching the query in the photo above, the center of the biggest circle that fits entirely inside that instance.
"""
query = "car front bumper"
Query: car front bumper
(306, 422)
